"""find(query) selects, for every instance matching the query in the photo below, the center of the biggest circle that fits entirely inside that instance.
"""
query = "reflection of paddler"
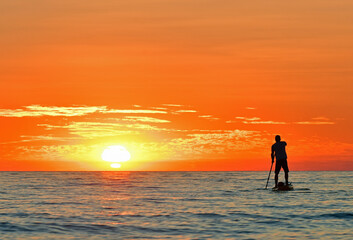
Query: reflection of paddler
(279, 150)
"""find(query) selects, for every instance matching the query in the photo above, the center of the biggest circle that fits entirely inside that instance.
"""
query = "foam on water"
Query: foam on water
(161, 205)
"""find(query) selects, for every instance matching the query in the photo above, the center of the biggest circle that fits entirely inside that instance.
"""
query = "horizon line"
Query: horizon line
(173, 171)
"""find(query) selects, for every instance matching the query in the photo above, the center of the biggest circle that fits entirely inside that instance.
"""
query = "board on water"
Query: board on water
(288, 187)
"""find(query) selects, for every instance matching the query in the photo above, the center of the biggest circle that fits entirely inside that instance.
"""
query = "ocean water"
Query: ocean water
(174, 205)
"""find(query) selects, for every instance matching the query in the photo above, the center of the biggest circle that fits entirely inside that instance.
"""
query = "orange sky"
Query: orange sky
(183, 85)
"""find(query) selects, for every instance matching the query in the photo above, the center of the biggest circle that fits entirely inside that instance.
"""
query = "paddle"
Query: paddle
(269, 175)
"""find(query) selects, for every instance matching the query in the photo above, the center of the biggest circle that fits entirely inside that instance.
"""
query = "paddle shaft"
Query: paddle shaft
(269, 174)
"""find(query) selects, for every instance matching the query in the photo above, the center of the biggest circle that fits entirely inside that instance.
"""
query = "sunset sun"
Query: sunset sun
(116, 154)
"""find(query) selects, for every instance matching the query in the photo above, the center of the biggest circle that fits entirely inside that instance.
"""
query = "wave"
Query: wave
(209, 215)
(340, 215)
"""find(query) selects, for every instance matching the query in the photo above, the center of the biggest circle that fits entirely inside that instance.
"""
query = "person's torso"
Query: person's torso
(280, 150)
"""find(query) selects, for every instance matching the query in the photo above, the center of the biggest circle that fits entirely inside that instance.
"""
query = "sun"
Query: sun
(116, 154)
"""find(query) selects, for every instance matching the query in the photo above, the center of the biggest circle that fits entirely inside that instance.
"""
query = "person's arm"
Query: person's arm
(272, 154)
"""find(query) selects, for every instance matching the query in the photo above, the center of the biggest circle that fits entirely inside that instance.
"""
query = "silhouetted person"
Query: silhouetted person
(279, 150)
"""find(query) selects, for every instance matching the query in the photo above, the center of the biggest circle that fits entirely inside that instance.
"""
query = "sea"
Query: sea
(174, 205)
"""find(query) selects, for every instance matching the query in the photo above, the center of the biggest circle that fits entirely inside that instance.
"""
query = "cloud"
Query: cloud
(263, 122)
(212, 138)
(209, 117)
(48, 138)
(248, 119)
(214, 143)
(186, 111)
(159, 108)
(186, 144)
(208, 131)
(321, 118)
(172, 105)
(134, 111)
(92, 129)
(145, 119)
(255, 120)
(38, 111)
(41, 138)
(57, 152)
(250, 108)
(315, 123)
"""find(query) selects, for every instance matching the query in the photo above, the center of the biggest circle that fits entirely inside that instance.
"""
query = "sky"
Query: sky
(183, 85)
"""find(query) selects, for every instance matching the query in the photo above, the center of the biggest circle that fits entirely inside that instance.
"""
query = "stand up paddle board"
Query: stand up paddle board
(283, 187)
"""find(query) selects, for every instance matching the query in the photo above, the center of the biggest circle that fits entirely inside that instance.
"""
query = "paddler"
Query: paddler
(279, 150)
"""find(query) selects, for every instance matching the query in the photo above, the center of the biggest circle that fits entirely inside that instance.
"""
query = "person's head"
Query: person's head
(278, 138)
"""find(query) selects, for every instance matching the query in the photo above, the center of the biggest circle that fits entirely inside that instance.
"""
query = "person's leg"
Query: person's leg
(286, 176)
(286, 170)
(277, 169)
